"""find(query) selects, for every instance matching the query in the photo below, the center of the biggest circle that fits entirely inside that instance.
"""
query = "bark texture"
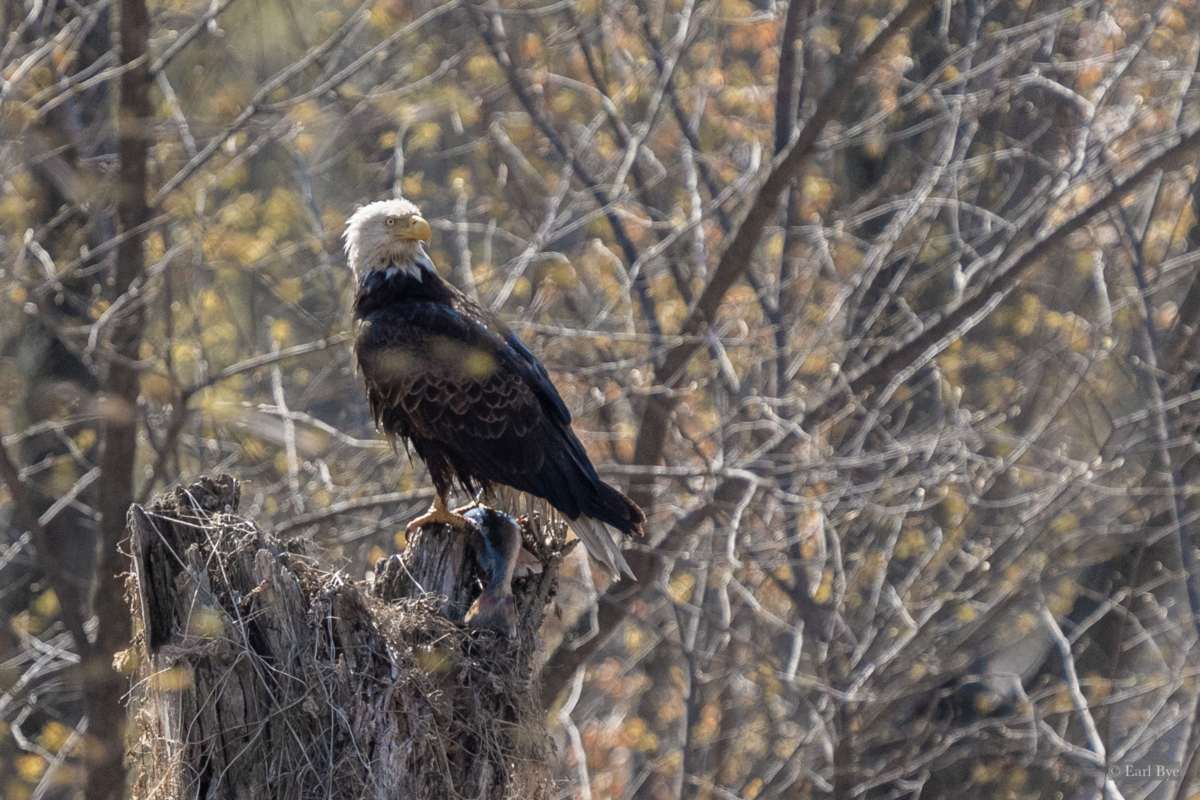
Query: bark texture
(262, 676)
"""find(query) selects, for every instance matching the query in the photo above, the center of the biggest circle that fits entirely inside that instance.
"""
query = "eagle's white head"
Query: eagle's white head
(386, 234)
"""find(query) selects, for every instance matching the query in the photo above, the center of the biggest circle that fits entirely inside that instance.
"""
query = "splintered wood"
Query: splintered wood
(262, 676)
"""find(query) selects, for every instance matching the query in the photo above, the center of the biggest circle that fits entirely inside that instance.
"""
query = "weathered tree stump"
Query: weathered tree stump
(262, 676)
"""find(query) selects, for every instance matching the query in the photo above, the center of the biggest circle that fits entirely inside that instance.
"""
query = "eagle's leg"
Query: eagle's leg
(439, 514)
(473, 504)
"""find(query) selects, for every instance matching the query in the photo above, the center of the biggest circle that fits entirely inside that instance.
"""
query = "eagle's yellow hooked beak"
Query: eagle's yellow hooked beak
(414, 227)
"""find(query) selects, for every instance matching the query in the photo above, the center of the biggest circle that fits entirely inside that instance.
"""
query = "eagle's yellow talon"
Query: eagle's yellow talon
(442, 517)
(438, 515)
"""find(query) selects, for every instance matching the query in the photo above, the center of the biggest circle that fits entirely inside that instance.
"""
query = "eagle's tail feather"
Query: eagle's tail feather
(600, 543)
(568, 482)
(601, 505)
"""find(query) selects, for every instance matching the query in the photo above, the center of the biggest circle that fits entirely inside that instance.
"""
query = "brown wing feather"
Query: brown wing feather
(440, 387)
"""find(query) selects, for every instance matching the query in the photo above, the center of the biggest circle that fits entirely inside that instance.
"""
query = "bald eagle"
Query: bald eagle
(454, 384)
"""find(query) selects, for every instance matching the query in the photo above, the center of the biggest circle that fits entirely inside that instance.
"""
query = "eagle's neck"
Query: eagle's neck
(397, 282)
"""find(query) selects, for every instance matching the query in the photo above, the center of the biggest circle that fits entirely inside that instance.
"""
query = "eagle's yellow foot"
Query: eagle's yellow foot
(466, 508)
(438, 515)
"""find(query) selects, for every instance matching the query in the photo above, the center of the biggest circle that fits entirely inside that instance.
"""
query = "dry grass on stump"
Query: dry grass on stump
(262, 676)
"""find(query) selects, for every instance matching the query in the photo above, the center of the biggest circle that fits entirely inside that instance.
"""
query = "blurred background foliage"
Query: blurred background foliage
(878, 565)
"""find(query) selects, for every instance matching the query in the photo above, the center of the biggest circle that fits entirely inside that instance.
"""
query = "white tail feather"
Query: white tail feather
(594, 534)
(600, 543)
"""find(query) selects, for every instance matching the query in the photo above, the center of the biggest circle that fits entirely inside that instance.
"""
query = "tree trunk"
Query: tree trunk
(263, 676)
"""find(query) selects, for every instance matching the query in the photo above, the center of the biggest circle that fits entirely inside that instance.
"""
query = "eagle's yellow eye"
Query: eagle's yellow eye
(390, 221)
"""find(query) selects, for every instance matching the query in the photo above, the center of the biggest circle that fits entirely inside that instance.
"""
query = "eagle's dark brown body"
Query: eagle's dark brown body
(472, 401)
